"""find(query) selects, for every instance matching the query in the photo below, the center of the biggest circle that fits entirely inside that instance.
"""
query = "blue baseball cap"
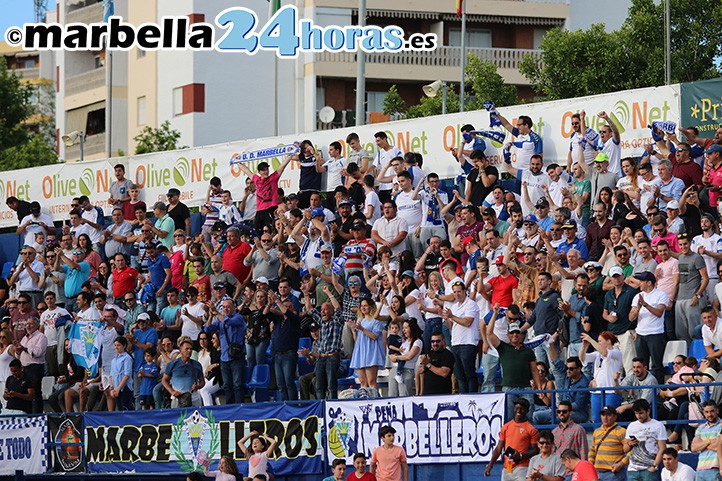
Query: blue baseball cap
(531, 218)
(317, 211)
(713, 148)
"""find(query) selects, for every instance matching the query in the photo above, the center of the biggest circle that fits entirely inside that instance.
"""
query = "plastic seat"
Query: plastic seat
(46, 386)
(260, 377)
(672, 350)
(7, 267)
(348, 381)
(305, 342)
(697, 350)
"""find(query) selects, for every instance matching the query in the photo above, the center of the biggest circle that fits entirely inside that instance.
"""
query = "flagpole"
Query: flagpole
(109, 109)
(463, 55)
(361, 70)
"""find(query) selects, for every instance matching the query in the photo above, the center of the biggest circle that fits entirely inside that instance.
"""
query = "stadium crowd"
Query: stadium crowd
(524, 275)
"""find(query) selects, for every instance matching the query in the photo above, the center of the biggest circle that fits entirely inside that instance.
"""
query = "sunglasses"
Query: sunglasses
(265, 241)
(590, 269)
(78, 253)
(659, 230)
(539, 259)
(562, 411)
(555, 230)
(544, 443)
(178, 235)
(354, 283)
(677, 363)
(24, 253)
(572, 368)
(129, 300)
(23, 302)
(145, 230)
(436, 341)
(528, 253)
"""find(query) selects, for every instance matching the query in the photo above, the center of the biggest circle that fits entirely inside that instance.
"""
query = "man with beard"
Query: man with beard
(597, 231)
(709, 245)
(532, 179)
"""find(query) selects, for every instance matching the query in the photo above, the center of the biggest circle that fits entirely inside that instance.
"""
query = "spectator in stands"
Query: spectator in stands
(133, 205)
(178, 211)
(115, 237)
(607, 449)
(164, 225)
(581, 469)
(20, 390)
(645, 442)
(648, 309)
(33, 223)
(547, 465)
(617, 306)
(30, 350)
(263, 260)
(284, 346)
(545, 318)
(667, 274)
(21, 207)
(433, 376)
(266, 191)
(231, 328)
(141, 338)
(517, 361)
(569, 377)
(568, 434)
(711, 332)
(390, 230)
(607, 362)
(183, 378)
(121, 371)
(706, 443)
(27, 275)
(462, 317)
(158, 278)
(93, 221)
(674, 470)
(640, 376)
(120, 188)
(234, 254)
(518, 441)
(692, 294)
(329, 351)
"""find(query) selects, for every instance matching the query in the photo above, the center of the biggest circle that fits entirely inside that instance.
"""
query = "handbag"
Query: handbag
(235, 350)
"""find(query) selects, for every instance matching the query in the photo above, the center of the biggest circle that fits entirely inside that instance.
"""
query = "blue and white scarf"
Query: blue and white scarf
(493, 113)
(269, 153)
(494, 135)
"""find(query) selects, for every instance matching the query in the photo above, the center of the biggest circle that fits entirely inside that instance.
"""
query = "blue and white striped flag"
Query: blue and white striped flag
(269, 153)
(85, 342)
(108, 10)
(494, 135)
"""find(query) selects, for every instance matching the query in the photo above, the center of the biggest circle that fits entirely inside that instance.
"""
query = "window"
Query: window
(178, 101)
(375, 101)
(27, 63)
(141, 110)
(474, 38)
(96, 122)
(539, 36)
(141, 53)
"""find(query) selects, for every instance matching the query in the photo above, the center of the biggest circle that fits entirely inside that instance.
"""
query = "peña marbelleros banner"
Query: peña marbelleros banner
(432, 429)
(179, 440)
(190, 170)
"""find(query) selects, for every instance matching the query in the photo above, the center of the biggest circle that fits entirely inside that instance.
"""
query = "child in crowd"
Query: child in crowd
(148, 374)
(360, 473)
(394, 341)
(388, 462)
(258, 454)
(338, 470)
(227, 470)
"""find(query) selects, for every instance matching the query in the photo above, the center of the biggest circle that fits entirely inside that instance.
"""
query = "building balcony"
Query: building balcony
(27, 73)
(85, 81)
(94, 147)
(441, 64)
(92, 13)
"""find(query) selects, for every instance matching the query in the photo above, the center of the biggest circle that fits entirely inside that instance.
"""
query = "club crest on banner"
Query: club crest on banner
(69, 457)
(201, 436)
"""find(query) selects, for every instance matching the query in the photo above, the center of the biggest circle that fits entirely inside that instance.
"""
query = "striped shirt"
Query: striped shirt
(329, 340)
(608, 450)
(707, 432)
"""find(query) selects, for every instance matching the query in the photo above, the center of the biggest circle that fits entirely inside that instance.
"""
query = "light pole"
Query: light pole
(73, 137)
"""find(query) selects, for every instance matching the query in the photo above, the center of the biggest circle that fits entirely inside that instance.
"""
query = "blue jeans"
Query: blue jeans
(256, 354)
(232, 375)
(327, 376)
(512, 394)
(285, 367)
(160, 396)
(707, 475)
(432, 325)
(157, 304)
(543, 415)
(610, 476)
(490, 364)
(642, 475)
(464, 367)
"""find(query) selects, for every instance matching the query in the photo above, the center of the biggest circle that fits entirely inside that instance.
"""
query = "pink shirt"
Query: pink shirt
(665, 276)
(389, 462)
(715, 178)
(671, 239)
(35, 346)
(266, 191)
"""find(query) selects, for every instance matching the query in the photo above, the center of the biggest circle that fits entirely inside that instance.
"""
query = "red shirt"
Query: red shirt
(584, 471)
(177, 263)
(124, 281)
(203, 284)
(366, 477)
(519, 436)
(266, 192)
(362, 249)
(233, 260)
(690, 172)
(503, 290)
(129, 209)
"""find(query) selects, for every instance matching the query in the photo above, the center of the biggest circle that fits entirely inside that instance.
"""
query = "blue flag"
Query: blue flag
(85, 341)
(491, 134)
(491, 108)
(108, 10)
(668, 127)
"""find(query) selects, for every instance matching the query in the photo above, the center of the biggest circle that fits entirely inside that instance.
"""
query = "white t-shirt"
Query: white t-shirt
(579, 141)
(648, 323)
(333, 172)
(389, 229)
(372, 199)
(683, 473)
(409, 209)
(108, 335)
(406, 346)
(432, 217)
(190, 328)
(712, 243)
(382, 158)
(48, 319)
(647, 194)
(614, 151)
(526, 145)
(642, 456)
(710, 338)
(93, 216)
(605, 367)
(91, 314)
(534, 183)
(555, 189)
(461, 335)
(32, 229)
(412, 309)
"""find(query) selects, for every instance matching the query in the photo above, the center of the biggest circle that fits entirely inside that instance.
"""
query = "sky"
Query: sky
(16, 12)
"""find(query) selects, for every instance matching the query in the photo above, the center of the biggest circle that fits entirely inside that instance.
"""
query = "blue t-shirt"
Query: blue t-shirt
(148, 383)
(74, 278)
(157, 270)
(184, 375)
(143, 337)
(168, 315)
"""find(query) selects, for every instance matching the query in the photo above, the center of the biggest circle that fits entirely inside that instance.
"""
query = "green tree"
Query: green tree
(486, 83)
(157, 140)
(35, 152)
(428, 106)
(588, 62)
(393, 103)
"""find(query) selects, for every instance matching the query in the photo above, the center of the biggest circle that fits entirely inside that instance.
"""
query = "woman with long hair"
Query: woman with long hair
(71, 375)
(368, 352)
(7, 353)
(406, 287)
(629, 182)
(103, 279)
(607, 362)
(431, 311)
(210, 358)
(402, 383)
(605, 197)
(91, 257)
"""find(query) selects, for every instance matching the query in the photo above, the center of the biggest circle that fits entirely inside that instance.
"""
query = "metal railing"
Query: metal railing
(505, 58)
(85, 81)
